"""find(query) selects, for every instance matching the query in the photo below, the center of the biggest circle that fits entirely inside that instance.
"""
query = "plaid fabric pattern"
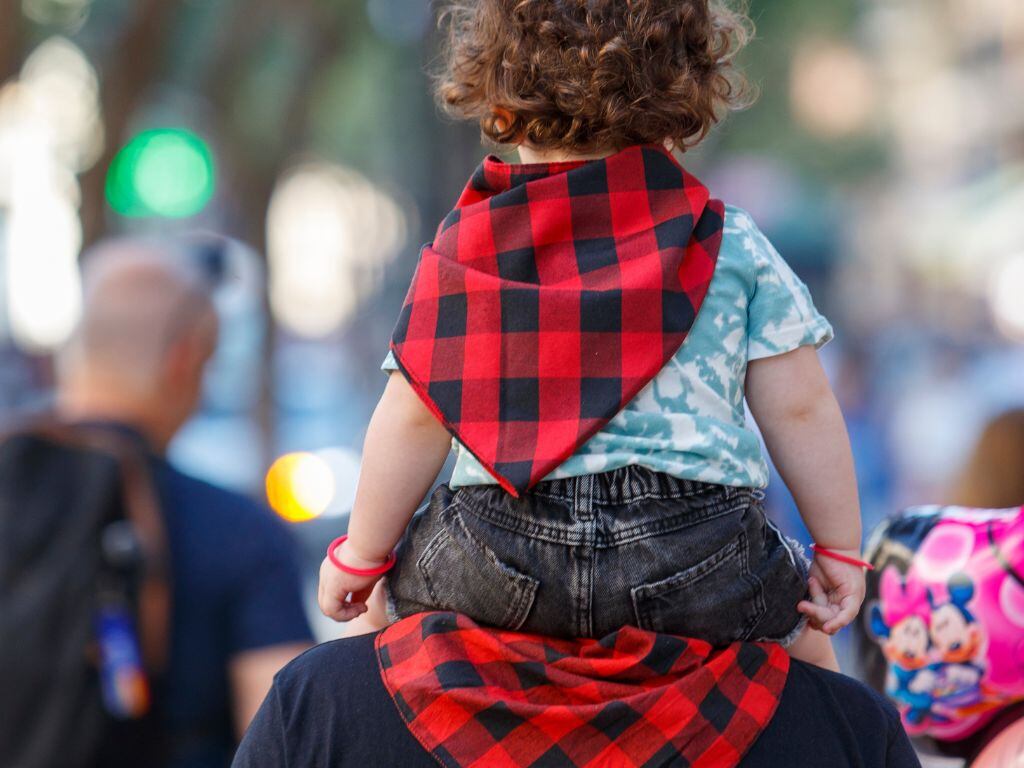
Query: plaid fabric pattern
(551, 295)
(474, 696)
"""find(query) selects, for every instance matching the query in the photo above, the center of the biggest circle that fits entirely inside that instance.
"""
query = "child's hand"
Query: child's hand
(837, 591)
(342, 596)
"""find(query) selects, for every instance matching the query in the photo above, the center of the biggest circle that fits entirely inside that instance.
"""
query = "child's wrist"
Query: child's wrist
(848, 551)
(848, 556)
(356, 557)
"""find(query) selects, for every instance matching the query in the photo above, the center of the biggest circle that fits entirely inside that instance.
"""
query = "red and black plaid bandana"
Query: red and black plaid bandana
(550, 297)
(474, 696)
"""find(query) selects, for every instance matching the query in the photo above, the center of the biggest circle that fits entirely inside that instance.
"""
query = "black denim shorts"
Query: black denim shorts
(584, 556)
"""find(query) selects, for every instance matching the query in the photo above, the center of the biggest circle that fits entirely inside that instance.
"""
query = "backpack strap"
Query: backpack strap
(141, 510)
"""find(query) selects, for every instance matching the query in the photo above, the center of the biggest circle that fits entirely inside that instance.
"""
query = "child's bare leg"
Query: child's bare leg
(375, 618)
(815, 647)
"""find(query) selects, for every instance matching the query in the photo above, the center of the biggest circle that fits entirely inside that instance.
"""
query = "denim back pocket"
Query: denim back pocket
(462, 574)
(717, 600)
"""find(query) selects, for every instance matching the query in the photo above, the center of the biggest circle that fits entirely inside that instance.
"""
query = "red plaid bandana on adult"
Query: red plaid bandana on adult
(550, 297)
(474, 696)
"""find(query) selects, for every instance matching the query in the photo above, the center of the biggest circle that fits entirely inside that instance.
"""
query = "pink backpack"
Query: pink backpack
(946, 605)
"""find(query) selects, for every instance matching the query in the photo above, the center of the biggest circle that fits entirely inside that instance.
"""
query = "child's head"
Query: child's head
(580, 76)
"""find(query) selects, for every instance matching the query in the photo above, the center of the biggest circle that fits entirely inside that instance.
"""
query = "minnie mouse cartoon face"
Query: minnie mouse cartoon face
(956, 637)
(900, 621)
(907, 644)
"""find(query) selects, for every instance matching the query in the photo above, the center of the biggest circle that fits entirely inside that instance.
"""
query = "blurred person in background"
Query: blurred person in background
(135, 365)
(994, 475)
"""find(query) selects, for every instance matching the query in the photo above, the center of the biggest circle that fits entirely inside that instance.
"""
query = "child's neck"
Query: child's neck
(529, 154)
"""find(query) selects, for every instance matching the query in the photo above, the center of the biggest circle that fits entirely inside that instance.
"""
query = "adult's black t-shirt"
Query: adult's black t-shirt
(329, 707)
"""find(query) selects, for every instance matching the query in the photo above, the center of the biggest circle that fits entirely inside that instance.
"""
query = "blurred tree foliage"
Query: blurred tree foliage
(267, 80)
(768, 126)
(252, 75)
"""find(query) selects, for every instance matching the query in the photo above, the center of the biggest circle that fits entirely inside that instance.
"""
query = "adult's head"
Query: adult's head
(148, 328)
(434, 688)
(994, 475)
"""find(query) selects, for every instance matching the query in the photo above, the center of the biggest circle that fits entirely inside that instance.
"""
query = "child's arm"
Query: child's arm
(804, 430)
(405, 448)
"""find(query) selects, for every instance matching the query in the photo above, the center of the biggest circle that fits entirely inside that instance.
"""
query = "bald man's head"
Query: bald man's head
(148, 326)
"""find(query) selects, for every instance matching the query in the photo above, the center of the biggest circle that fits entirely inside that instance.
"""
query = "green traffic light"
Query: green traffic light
(165, 172)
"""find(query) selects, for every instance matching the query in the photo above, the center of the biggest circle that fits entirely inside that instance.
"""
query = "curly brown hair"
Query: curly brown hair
(586, 75)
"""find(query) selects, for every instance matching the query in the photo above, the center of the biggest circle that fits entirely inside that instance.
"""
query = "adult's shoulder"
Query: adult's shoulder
(843, 688)
(213, 502)
(304, 719)
(332, 666)
(837, 720)
(333, 709)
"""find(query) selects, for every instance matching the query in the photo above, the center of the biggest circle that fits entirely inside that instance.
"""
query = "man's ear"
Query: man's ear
(185, 358)
(175, 363)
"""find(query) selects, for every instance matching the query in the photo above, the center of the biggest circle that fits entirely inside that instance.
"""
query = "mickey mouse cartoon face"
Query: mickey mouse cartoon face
(949, 630)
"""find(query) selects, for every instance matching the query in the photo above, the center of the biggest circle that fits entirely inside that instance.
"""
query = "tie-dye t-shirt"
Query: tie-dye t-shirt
(690, 421)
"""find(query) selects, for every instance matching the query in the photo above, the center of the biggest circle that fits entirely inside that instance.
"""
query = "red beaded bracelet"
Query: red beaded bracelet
(386, 566)
(841, 558)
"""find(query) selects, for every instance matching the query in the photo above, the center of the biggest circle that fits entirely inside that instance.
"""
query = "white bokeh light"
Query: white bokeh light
(42, 233)
(1006, 297)
(50, 130)
(61, 92)
(43, 290)
(330, 232)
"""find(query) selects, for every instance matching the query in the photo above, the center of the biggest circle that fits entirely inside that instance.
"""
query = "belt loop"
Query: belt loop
(576, 488)
(635, 482)
(583, 498)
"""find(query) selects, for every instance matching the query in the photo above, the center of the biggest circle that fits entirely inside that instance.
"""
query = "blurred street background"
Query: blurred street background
(298, 145)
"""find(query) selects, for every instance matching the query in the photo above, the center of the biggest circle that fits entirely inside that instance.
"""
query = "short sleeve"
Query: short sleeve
(389, 364)
(781, 315)
(267, 609)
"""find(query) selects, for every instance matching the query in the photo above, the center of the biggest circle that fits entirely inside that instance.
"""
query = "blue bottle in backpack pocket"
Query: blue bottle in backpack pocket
(123, 681)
